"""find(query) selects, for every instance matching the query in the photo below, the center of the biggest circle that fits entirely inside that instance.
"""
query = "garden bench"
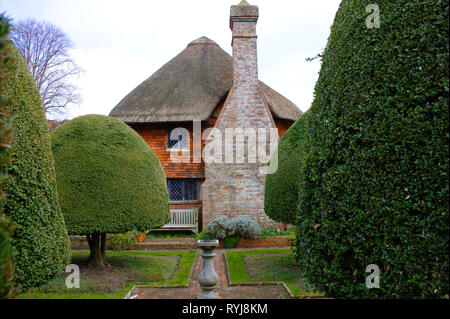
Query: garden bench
(183, 219)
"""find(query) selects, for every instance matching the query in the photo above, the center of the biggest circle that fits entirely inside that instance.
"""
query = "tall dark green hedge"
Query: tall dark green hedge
(6, 255)
(375, 186)
(109, 179)
(41, 239)
(281, 189)
(6, 228)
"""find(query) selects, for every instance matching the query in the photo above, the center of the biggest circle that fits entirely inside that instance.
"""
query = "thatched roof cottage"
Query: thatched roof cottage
(204, 83)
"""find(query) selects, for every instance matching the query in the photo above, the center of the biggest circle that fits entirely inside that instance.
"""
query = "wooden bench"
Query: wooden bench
(182, 219)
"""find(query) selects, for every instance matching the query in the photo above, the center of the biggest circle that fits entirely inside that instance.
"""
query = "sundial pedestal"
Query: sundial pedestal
(208, 277)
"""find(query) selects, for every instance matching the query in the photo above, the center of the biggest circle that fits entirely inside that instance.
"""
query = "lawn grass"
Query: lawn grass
(127, 270)
(271, 265)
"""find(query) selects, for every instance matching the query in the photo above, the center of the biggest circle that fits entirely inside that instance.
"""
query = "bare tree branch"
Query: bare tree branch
(45, 49)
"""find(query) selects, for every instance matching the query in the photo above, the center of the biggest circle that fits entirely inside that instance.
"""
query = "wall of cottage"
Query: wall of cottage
(155, 134)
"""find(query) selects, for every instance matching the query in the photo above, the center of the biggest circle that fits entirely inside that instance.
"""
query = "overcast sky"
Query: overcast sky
(121, 43)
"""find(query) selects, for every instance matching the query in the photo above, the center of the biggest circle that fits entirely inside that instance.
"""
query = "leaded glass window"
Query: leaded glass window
(183, 190)
(190, 190)
(175, 190)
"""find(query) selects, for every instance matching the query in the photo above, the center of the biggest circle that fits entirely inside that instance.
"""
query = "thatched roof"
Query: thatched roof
(190, 87)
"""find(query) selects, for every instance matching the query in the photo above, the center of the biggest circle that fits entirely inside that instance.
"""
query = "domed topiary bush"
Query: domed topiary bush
(281, 188)
(375, 186)
(41, 241)
(109, 181)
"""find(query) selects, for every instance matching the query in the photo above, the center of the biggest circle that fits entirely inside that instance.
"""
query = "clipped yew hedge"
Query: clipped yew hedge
(281, 188)
(375, 186)
(41, 239)
(6, 255)
(109, 179)
(6, 228)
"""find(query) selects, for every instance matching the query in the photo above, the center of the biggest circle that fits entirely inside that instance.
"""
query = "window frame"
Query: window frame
(184, 180)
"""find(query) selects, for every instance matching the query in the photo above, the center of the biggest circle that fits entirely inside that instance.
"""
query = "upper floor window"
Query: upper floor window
(178, 139)
(183, 190)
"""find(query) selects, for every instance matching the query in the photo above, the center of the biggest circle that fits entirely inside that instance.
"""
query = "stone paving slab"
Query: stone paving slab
(239, 292)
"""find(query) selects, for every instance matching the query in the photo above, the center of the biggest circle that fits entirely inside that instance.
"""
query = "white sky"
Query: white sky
(121, 43)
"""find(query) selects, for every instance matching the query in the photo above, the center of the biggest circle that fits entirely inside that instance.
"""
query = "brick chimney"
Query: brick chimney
(243, 19)
(237, 189)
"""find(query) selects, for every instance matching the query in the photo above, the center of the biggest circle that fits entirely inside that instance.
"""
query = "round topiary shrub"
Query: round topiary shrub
(375, 186)
(41, 241)
(109, 180)
(281, 188)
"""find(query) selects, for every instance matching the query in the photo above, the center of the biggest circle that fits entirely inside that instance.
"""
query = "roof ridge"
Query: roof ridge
(203, 41)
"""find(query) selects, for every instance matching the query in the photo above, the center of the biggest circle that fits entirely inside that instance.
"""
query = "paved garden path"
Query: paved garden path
(223, 288)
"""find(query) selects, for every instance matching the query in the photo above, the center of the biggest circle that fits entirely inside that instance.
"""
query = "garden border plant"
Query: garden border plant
(231, 230)
(124, 241)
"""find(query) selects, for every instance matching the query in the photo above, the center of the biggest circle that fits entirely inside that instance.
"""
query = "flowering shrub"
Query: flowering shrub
(221, 228)
(246, 227)
(242, 227)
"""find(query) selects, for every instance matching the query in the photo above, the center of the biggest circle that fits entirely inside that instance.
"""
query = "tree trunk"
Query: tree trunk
(103, 246)
(89, 240)
(96, 258)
